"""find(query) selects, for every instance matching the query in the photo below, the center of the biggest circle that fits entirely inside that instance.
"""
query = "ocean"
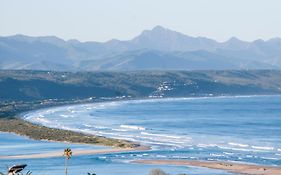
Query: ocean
(241, 128)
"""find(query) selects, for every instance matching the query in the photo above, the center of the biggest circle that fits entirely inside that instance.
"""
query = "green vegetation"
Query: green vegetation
(57, 86)
(159, 172)
(37, 132)
(22, 91)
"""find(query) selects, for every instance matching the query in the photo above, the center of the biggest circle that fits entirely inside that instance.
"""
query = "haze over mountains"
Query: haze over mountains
(156, 49)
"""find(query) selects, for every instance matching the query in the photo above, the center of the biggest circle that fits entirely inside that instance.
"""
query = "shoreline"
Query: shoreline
(241, 168)
(25, 128)
(22, 127)
(17, 125)
(75, 153)
(38, 132)
(20, 114)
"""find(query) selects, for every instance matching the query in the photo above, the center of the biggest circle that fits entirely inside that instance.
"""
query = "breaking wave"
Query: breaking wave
(194, 124)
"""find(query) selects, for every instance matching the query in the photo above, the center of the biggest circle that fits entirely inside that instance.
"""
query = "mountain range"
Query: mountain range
(155, 49)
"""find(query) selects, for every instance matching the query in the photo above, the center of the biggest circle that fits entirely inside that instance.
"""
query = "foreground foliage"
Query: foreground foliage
(158, 171)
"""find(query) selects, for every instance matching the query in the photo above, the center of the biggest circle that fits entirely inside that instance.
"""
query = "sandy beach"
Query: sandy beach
(75, 153)
(60, 154)
(240, 168)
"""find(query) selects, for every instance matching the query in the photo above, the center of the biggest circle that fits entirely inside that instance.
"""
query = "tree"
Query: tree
(157, 172)
(67, 153)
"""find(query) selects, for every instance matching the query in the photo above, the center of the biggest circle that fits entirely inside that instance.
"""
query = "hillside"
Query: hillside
(41, 85)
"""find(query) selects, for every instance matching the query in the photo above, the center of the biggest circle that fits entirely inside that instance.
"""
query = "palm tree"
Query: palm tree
(16, 169)
(67, 153)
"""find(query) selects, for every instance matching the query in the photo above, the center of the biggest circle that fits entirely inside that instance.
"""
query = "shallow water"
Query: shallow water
(11, 144)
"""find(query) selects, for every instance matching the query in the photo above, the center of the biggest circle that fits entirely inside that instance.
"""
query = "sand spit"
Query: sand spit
(240, 168)
(75, 153)
(60, 153)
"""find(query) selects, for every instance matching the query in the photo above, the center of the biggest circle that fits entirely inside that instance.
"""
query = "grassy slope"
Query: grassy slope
(40, 85)
(43, 133)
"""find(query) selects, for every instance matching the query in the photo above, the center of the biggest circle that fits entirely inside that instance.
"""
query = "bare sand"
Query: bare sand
(239, 168)
(60, 153)
(75, 153)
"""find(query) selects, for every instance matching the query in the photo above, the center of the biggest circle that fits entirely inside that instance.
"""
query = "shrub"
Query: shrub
(157, 172)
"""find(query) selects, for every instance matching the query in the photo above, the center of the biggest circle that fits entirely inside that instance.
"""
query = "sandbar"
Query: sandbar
(240, 168)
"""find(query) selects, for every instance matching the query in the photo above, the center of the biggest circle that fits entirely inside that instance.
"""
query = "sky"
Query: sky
(102, 20)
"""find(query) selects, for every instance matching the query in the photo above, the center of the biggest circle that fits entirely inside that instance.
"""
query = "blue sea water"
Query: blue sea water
(11, 144)
(244, 129)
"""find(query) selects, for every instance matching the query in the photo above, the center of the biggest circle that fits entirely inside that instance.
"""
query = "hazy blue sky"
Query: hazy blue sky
(101, 20)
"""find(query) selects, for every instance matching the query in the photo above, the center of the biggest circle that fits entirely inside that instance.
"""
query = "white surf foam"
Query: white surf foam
(100, 127)
(238, 144)
(161, 156)
(89, 126)
(206, 145)
(161, 143)
(270, 158)
(216, 155)
(41, 120)
(121, 130)
(66, 116)
(132, 127)
(234, 149)
(165, 136)
(262, 148)
(227, 153)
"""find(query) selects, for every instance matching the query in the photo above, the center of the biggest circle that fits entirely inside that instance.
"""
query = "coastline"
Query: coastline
(15, 124)
(37, 132)
(75, 153)
(241, 168)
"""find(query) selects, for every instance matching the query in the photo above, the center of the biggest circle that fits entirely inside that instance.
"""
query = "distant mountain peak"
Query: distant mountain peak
(73, 41)
(164, 39)
(158, 28)
(158, 32)
(233, 39)
(152, 47)
(235, 44)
